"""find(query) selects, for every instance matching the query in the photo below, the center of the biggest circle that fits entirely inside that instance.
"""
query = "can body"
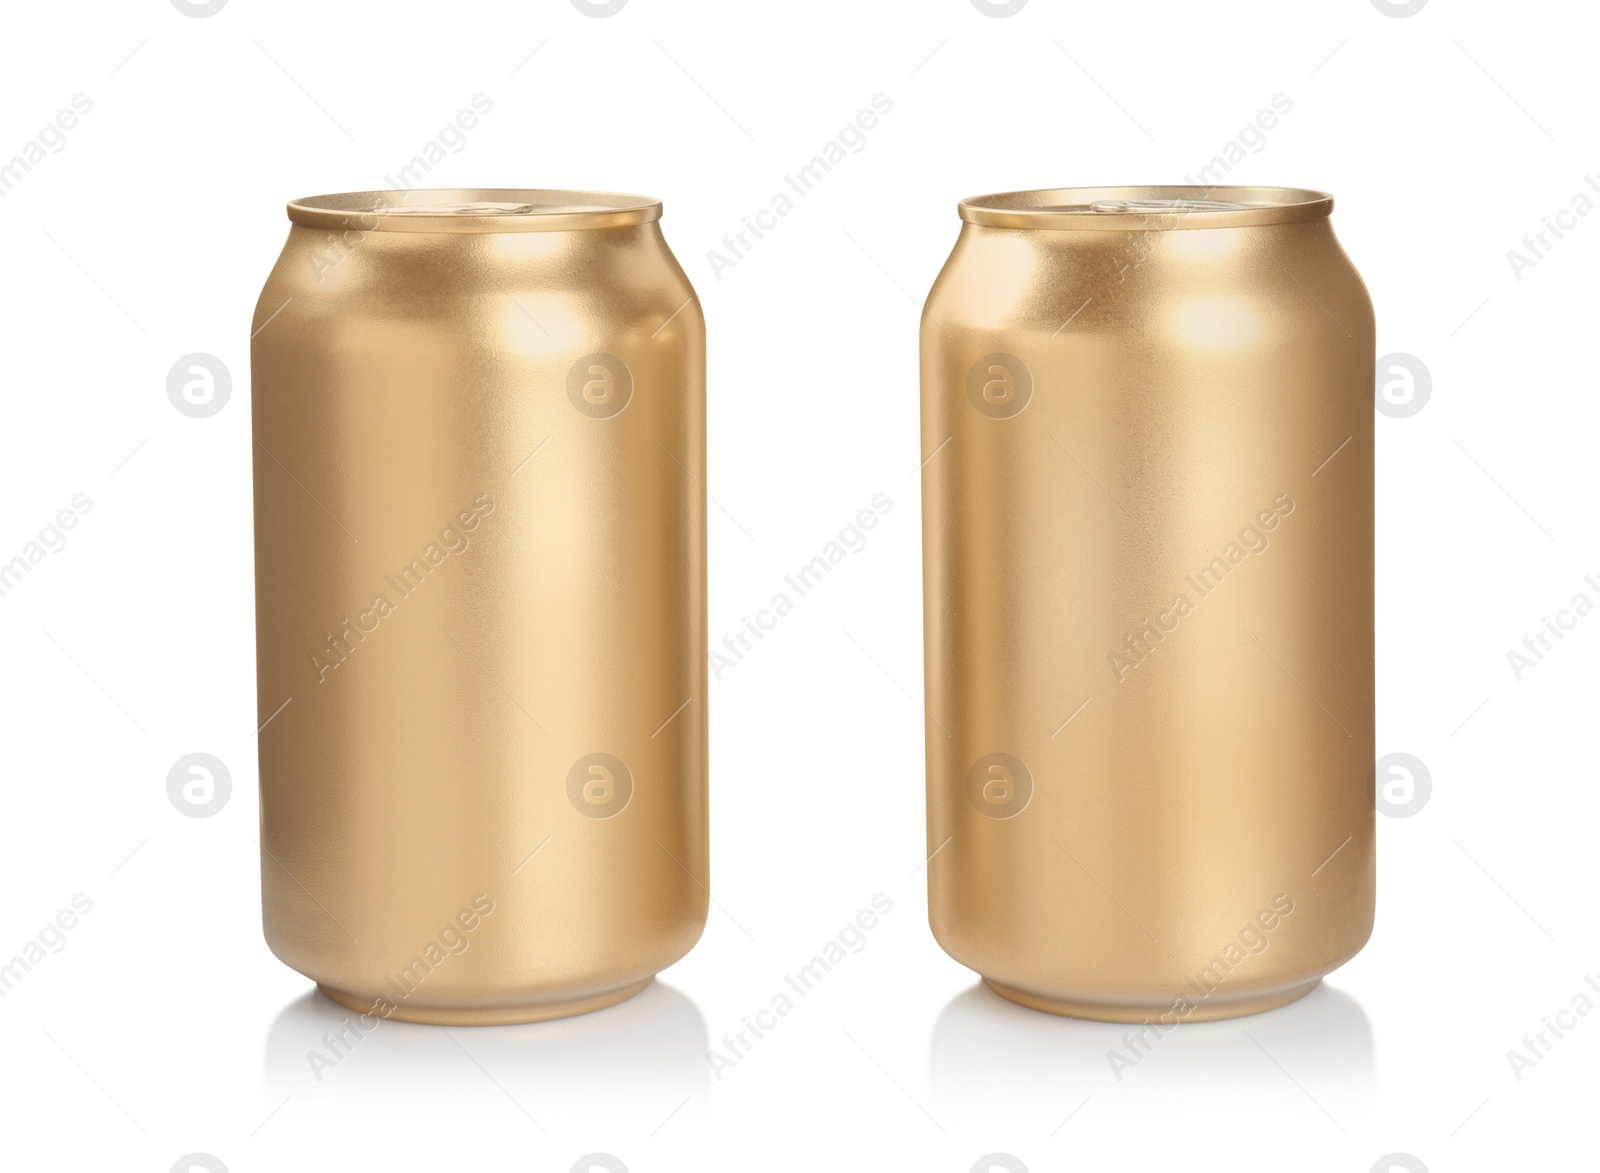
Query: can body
(480, 596)
(1148, 590)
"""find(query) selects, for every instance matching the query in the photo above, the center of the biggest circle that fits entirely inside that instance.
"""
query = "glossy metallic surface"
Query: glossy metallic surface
(481, 602)
(1148, 580)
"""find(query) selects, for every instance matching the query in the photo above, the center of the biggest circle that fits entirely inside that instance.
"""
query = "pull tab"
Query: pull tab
(1165, 206)
(475, 208)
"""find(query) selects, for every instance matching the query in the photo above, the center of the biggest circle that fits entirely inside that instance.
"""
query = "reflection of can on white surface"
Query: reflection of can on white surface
(1148, 599)
(480, 558)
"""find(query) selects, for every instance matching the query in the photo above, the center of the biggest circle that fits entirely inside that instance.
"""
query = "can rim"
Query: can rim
(1072, 208)
(474, 209)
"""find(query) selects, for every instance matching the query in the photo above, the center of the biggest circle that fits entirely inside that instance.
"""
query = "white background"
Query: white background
(165, 1027)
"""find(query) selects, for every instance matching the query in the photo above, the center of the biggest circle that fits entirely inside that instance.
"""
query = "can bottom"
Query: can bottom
(492, 1015)
(1209, 1009)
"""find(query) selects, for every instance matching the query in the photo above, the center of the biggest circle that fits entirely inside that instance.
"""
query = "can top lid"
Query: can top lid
(474, 209)
(1137, 209)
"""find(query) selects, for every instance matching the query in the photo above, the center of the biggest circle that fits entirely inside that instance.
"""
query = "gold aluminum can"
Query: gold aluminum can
(1148, 590)
(479, 421)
